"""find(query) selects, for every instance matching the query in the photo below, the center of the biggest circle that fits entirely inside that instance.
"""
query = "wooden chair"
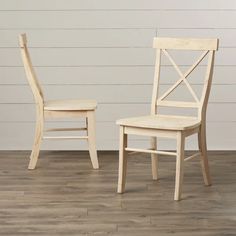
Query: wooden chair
(172, 126)
(57, 109)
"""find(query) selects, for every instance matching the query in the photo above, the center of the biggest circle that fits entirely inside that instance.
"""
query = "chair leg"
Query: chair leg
(92, 139)
(204, 160)
(154, 158)
(36, 147)
(179, 166)
(122, 161)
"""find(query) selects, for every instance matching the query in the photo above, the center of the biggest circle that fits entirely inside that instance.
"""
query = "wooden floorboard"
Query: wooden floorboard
(65, 196)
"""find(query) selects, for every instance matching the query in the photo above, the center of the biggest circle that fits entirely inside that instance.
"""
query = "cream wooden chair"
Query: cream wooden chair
(57, 109)
(172, 126)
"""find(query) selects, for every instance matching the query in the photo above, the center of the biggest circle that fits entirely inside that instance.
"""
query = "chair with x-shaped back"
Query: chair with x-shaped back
(172, 126)
(57, 109)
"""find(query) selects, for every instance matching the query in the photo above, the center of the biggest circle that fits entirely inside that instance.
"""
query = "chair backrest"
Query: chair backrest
(162, 45)
(29, 70)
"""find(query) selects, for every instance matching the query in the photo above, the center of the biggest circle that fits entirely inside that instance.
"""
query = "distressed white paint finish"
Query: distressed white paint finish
(103, 49)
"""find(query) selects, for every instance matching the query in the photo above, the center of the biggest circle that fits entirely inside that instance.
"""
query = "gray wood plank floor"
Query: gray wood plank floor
(64, 196)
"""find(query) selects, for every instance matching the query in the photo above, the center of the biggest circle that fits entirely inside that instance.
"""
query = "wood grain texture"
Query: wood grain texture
(57, 109)
(64, 196)
(161, 122)
(170, 126)
(71, 105)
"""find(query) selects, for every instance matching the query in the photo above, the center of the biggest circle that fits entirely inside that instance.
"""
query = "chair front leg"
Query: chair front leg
(154, 158)
(203, 150)
(122, 161)
(92, 138)
(179, 165)
(37, 143)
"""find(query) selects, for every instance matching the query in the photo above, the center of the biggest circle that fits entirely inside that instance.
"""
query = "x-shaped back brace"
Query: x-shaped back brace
(183, 77)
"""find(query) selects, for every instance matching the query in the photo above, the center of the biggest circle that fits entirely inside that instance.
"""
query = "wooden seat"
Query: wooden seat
(70, 105)
(161, 122)
(170, 126)
(58, 109)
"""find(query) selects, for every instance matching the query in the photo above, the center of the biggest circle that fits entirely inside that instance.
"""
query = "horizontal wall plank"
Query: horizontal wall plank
(20, 137)
(112, 112)
(109, 37)
(111, 75)
(81, 75)
(117, 19)
(80, 38)
(121, 4)
(110, 93)
(79, 56)
(106, 56)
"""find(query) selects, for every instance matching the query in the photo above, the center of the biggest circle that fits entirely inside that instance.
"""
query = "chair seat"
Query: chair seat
(165, 122)
(70, 105)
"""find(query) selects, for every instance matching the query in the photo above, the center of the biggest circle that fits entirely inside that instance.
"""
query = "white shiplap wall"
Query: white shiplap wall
(103, 50)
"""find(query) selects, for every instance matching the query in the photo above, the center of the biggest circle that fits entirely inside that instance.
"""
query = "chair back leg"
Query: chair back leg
(37, 143)
(92, 138)
(122, 161)
(179, 165)
(154, 158)
(203, 150)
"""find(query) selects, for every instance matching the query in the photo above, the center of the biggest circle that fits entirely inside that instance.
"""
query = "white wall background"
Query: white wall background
(102, 49)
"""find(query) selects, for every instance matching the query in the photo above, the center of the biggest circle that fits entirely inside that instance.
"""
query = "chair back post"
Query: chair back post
(156, 83)
(208, 46)
(30, 73)
(207, 87)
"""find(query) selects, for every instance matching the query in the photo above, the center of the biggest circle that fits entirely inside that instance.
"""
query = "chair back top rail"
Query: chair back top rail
(186, 43)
